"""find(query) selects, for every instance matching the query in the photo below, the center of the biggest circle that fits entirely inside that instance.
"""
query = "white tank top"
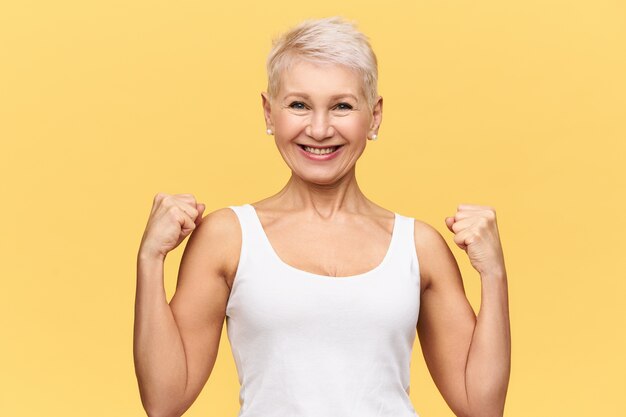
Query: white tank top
(309, 345)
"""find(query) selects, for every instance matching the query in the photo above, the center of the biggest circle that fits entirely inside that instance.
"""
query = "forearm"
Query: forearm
(160, 362)
(489, 358)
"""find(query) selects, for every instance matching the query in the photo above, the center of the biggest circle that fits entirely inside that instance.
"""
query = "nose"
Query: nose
(319, 127)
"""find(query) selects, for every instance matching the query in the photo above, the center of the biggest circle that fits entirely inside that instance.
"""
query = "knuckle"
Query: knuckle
(173, 216)
(186, 196)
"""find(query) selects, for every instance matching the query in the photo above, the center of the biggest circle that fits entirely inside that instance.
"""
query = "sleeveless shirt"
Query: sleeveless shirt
(309, 345)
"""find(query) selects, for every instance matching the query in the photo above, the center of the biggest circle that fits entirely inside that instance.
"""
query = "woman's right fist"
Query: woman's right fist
(172, 218)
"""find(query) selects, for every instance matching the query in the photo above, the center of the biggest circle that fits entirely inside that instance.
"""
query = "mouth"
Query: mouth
(319, 150)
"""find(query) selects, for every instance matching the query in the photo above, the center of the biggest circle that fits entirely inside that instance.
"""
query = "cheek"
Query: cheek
(353, 127)
(289, 122)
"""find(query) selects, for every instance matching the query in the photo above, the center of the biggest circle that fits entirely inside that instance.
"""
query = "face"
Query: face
(321, 106)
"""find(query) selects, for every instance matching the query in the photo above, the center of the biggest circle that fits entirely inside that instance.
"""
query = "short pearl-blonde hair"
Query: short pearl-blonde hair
(325, 40)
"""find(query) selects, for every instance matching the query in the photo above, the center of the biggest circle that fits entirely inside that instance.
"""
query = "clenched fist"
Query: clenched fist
(171, 219)
(476, 232)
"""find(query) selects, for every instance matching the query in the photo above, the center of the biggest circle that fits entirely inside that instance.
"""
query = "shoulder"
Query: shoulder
(218, 236)
(425, 234)
(222, 220)
(433, 252)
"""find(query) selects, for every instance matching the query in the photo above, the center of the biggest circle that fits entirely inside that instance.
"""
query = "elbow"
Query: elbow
(162, 413)
(482, 413)
(491, 409)
(489, 414)
(488, 402)
(162, 410)
(162, 403)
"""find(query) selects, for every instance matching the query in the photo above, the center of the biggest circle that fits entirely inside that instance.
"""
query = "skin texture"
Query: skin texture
(322, 211)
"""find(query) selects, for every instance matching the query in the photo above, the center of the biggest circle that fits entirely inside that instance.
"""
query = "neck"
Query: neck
(325, 199)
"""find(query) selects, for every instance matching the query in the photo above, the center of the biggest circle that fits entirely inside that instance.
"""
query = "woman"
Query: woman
(320, 287)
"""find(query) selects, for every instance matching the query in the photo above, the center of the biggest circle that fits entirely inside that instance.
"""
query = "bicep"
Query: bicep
(446, 320)
(199, 303)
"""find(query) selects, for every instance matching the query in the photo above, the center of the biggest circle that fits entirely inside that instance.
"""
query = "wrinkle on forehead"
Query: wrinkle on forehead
(351, 80)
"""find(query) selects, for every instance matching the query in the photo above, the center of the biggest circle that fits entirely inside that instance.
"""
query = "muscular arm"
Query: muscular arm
(176, 344)
(467, 356)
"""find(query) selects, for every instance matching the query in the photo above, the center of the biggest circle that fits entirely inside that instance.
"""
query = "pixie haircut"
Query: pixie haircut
(324, 41)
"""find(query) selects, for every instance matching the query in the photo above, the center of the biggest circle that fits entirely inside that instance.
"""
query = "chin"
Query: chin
(323, 178)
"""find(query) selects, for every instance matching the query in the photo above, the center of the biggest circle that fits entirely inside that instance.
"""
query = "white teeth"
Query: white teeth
(319, 151)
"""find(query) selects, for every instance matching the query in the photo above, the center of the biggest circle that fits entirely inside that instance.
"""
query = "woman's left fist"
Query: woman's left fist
(476, 232)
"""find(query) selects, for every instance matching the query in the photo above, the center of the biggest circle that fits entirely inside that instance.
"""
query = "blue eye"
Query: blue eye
(302, 106)
(297, 108)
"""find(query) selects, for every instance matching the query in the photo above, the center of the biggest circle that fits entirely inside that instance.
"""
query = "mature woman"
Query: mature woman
(320, 287)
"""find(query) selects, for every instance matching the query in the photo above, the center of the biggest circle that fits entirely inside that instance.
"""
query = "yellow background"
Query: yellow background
(520, 105)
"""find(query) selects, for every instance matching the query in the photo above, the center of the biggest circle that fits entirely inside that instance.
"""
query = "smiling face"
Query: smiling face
(323, 106)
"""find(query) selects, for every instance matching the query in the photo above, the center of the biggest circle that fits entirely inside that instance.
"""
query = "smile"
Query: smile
(320, 154)
(320, 151)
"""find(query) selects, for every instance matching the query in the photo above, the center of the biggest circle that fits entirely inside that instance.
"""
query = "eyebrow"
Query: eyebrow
(332, 97)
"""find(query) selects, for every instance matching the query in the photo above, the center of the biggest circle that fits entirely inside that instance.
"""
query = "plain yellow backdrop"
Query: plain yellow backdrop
(519, 105)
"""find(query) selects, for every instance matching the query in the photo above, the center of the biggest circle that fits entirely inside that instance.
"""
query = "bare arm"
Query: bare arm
(489, 359)
(176, 344)
(467, 356)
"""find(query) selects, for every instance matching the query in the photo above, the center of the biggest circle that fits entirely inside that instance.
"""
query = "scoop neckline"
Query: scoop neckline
(274, 254)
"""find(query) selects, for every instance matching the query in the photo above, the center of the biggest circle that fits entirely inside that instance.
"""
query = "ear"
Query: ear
(377, 115)
(267, 110)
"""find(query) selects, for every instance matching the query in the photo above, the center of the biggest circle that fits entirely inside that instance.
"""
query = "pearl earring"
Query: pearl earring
(374, 136)
(269, 131)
